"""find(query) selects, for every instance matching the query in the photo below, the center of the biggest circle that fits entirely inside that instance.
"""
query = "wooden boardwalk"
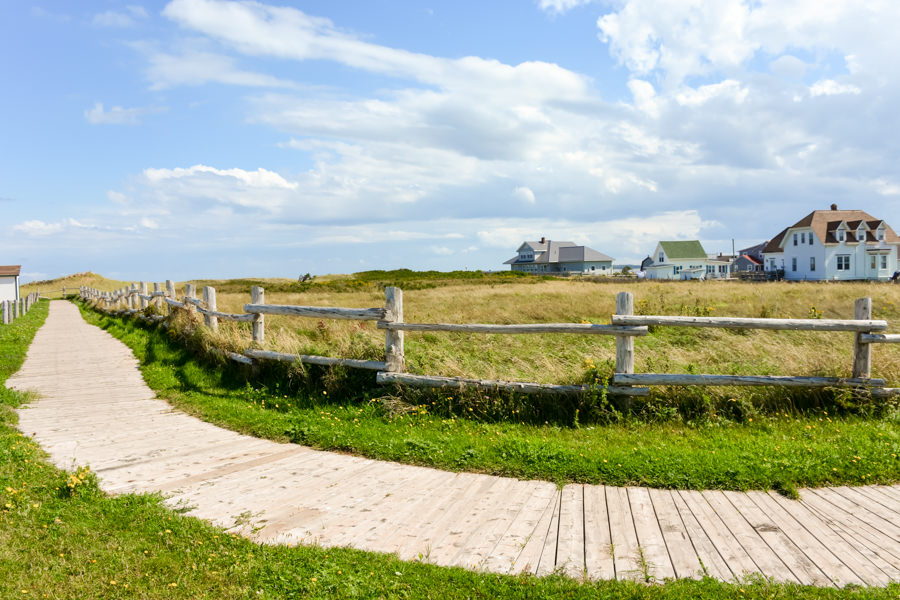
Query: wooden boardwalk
(95, 409)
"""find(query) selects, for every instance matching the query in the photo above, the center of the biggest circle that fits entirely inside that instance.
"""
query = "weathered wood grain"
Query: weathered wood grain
(715, 380)
(434, 381)
(751, 323)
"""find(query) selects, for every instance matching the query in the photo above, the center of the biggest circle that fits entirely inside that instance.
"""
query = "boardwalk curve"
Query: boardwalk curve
(95, 409)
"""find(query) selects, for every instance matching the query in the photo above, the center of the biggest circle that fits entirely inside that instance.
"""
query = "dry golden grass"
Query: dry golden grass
(560, 358)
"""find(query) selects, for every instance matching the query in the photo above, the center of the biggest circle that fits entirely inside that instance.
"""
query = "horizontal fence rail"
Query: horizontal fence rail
(525, 328)
(744, 323)
(135, 299)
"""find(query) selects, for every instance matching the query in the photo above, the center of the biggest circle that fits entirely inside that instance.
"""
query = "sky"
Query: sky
(213, 138)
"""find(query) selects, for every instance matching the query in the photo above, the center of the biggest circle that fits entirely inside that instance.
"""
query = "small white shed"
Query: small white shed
(9, 282)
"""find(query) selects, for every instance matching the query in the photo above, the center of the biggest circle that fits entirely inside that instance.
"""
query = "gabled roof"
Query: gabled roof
(750, 258)
(581, 254)
(825, 222)
(685, 249)
(10, 270)
(774, 245)
(542, 246)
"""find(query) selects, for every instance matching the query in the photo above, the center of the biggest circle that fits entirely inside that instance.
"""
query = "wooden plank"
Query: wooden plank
(315, 360)
(882, 495)
(655, 554)
(752, 323)
(598, 556)
(483, 539)
(767, 561)
(317, 312)
(547, 562)
(729, 548)
(779, 380)
(711, 561)
(258, 297)
(879, 338)
(522, 529)
(625, 549)
(624, 344)
(889, 516)
(837, 559)
(431, 531)
(434, 381)
(570, 541)
(469, 519)
(518, 328)
(800, 565)
(682, 555)
(886, 528)
(173, 302)
(855, 533)
(530, 556)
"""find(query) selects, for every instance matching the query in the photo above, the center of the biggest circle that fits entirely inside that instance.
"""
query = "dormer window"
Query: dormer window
(881, 235)
(840, 235)
(860, 236)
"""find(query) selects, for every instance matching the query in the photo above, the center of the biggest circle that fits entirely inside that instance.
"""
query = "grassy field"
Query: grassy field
(732, 447)
(61, 537)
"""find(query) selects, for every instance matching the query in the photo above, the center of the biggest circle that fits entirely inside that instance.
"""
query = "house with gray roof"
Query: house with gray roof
(548, 256)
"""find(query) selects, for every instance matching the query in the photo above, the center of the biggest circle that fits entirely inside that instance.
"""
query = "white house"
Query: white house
(835, 245)
(9, 282)
(684, 260)
(547, 256)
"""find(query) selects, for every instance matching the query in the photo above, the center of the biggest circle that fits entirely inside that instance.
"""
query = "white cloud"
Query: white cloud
(442, 250)
(116, 197)
(98, 115)
(38, 228)
(524, 194)
(194, 67)
(830, 87)
(149, 223)
(561, 6)
(113, 18)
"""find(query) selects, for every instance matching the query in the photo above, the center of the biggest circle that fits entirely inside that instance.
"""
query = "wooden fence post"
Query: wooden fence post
(624, 343)
(143, 290)
(170, 293)
(5, 313)
(190, 293)
(394, 357)
(862, 353)
(258, 296)
(209, 298)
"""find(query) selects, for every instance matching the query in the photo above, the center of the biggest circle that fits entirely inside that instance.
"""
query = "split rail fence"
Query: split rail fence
(626, 326)
(13, 309)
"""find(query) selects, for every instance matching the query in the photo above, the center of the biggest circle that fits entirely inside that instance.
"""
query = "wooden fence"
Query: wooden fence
(13, 309)
(136, 298)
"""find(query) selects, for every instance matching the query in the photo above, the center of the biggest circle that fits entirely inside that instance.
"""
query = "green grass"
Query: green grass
(61, 537)
(780, 451)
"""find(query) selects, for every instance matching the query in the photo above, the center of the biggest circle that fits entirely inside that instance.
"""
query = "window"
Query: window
(723, 268)
(880, 236)
(810, 238)
(794, 264)
(843, 262)
(840, 236)
(883, 261)
(812, 263)
(860, 236)
(795, 239)
(872, 265)
(803, 237)
(662, 258)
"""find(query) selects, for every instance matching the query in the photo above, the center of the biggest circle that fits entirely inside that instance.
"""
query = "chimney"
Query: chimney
(543, 239)
(834, 207)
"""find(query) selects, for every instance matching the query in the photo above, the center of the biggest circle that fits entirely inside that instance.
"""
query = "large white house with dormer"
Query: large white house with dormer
(834, 245)
(548, 256)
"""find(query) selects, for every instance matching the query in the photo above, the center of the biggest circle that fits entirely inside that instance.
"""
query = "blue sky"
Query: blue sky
(210, 138)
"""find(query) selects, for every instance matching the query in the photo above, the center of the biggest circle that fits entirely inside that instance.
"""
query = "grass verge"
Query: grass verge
(781, 451)
(61, 537)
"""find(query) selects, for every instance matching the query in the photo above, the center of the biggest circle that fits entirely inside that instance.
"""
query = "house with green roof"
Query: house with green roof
(684, 260)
